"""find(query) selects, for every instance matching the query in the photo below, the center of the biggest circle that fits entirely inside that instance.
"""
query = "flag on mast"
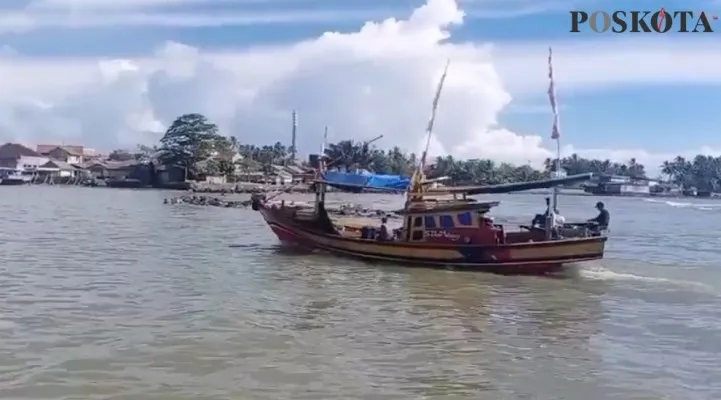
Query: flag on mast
(556, 131)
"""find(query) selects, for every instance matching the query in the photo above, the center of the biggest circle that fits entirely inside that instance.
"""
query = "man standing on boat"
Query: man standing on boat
(383, 235)
(540, 219)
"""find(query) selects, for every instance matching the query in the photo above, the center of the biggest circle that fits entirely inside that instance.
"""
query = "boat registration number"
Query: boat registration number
(441, 234)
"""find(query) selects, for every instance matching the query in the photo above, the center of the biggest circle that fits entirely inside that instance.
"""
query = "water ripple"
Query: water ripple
(108, 294)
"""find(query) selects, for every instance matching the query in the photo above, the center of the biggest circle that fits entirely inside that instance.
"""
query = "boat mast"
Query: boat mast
(325, 141)
(555, 135)
(321, 188)
(416, 185)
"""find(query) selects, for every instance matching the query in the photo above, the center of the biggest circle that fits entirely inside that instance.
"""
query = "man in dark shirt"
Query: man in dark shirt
(603, 218)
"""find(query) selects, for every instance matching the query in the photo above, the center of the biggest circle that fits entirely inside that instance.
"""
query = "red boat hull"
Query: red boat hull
(541, 257)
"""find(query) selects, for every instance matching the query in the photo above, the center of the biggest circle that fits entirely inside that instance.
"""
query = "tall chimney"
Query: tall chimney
(293, 149)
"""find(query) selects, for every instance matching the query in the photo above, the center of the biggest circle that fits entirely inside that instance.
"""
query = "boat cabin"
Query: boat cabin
(456, 222)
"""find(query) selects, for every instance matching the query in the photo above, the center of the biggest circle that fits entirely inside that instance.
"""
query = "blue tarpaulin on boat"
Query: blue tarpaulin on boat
(389, 181)
(358, 182)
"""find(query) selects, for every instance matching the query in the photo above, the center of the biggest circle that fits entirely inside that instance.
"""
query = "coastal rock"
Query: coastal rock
(207, 201)
(247, 187)
(349, 209)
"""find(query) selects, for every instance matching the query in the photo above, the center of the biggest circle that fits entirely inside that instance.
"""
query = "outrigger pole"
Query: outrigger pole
(555, 135)
(418, 176)
(322, 166)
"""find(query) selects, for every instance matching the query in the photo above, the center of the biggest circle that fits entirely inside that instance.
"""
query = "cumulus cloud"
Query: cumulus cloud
(378, 80)
(593, 64)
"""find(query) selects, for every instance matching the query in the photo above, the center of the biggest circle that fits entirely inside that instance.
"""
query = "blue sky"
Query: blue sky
(664, 114)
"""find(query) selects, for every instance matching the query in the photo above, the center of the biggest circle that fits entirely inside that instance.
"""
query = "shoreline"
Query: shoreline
(250, 188)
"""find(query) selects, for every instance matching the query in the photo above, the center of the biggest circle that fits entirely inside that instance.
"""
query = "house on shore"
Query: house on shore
(112, 169)
(170, 176)
(20, 158)
(71, 154)
(55, 170)
(65, 154)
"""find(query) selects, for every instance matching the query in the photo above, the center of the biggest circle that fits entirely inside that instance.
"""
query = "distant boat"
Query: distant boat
(124, 183)
(12, 177)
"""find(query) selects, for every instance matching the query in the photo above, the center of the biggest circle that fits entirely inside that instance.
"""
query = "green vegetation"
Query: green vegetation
(703, 173)
(349, 154)
(194, 143)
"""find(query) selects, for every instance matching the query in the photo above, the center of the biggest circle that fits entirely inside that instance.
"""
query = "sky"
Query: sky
(115, 73)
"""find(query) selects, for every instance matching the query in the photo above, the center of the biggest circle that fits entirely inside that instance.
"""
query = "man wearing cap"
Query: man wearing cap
(603, 218)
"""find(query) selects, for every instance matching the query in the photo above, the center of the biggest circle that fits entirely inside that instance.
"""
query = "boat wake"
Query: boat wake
(603, 274)
(600, 273)
(686, 204)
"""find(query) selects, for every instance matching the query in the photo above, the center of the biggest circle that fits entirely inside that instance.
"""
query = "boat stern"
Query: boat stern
(553, 255)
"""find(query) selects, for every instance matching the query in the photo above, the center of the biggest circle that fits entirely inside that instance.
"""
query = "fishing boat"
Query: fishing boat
(440, 232)
(441, 228)
(12, 177)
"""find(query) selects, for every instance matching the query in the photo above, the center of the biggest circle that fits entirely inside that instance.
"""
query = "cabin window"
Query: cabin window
(465, 219)
(446, 221)
(430, 222)
(417, 235)
(418, 222)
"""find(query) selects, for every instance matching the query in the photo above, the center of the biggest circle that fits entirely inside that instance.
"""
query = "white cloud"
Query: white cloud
(585, 63)
(379, 80)
(25, 21)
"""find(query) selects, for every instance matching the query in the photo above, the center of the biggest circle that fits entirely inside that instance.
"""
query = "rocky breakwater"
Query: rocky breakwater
(247, 187)
(348, 209)
(208, 201)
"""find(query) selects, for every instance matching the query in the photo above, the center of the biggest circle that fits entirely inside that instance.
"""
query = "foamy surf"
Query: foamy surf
(603, 274)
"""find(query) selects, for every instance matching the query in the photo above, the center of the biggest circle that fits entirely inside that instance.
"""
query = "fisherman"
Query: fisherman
(603, 218)
(383, 235)
(540, 219)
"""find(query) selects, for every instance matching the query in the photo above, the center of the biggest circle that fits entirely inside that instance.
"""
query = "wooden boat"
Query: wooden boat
(438, 232)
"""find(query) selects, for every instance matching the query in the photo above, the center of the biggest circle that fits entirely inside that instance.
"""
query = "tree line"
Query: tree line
(193, 142)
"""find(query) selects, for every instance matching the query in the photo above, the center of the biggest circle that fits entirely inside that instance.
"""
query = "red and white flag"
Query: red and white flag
(556, 131)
